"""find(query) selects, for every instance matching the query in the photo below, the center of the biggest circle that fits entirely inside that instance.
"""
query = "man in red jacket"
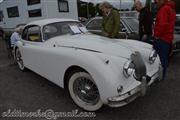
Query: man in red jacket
(164, 30)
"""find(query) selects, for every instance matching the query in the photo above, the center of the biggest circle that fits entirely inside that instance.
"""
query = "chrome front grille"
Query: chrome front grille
(140, 67)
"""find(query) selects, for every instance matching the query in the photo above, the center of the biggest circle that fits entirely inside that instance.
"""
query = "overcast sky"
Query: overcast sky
(116, 3)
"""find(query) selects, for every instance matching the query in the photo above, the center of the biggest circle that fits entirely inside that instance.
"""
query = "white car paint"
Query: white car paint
(53, 57)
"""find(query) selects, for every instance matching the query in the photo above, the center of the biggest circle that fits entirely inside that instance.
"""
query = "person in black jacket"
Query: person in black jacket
(145, 22)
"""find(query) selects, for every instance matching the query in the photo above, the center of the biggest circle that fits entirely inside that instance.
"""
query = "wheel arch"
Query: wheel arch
(69, 72)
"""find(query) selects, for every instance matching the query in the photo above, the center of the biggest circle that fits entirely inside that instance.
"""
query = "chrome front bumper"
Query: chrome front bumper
(131, 95)
(126, 98)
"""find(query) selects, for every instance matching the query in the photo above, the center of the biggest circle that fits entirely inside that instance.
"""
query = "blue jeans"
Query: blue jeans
(162, 49)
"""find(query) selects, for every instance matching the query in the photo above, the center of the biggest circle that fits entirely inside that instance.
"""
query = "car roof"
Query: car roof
(50, 20)
(120, 17)
(99, 18)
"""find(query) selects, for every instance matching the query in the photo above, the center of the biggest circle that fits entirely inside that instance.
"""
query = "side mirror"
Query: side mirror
(123, 30)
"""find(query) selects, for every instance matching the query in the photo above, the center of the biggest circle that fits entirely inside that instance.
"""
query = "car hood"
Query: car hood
(117, 47)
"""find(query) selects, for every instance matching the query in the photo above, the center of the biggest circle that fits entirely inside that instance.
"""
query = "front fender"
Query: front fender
(107, 72)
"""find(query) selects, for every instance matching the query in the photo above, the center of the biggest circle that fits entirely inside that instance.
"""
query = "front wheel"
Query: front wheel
(84, 91)
(19, 59)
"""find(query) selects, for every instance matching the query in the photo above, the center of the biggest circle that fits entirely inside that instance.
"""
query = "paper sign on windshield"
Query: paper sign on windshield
(83, 29)
(75, 29)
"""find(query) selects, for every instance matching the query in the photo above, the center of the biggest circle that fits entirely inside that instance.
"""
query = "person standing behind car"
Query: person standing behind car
(164, 30)
(145, 22)
(111, 20)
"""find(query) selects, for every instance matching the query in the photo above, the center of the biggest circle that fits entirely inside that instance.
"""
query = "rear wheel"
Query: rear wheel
(84, 91)
(19, 60)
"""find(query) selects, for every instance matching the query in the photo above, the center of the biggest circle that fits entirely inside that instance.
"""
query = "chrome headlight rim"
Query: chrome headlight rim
(152, 56)
(128, 68)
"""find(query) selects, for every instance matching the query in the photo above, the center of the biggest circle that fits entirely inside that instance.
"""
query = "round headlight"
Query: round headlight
(152, 56)
(128, 68)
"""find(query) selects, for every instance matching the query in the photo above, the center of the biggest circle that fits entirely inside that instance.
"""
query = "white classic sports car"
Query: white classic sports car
(95, 70)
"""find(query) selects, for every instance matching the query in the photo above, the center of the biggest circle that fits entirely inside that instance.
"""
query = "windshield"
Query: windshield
(132, 23)
(62, 28)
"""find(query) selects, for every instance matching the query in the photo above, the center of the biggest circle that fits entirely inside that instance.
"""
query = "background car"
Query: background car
(177, 24)
(129, 27)
(95, 70)
(176, 42)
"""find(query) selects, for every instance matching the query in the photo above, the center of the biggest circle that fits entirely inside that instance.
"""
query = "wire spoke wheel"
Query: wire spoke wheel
(84, 91)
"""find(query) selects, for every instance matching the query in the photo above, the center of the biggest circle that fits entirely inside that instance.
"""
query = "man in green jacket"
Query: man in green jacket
(111, 20)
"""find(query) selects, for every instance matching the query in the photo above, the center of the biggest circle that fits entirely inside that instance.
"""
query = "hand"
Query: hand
(144, 37)
(105, 34)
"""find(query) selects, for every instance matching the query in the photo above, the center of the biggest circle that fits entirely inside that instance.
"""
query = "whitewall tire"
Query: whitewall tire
(19, 60)
(84, 91)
